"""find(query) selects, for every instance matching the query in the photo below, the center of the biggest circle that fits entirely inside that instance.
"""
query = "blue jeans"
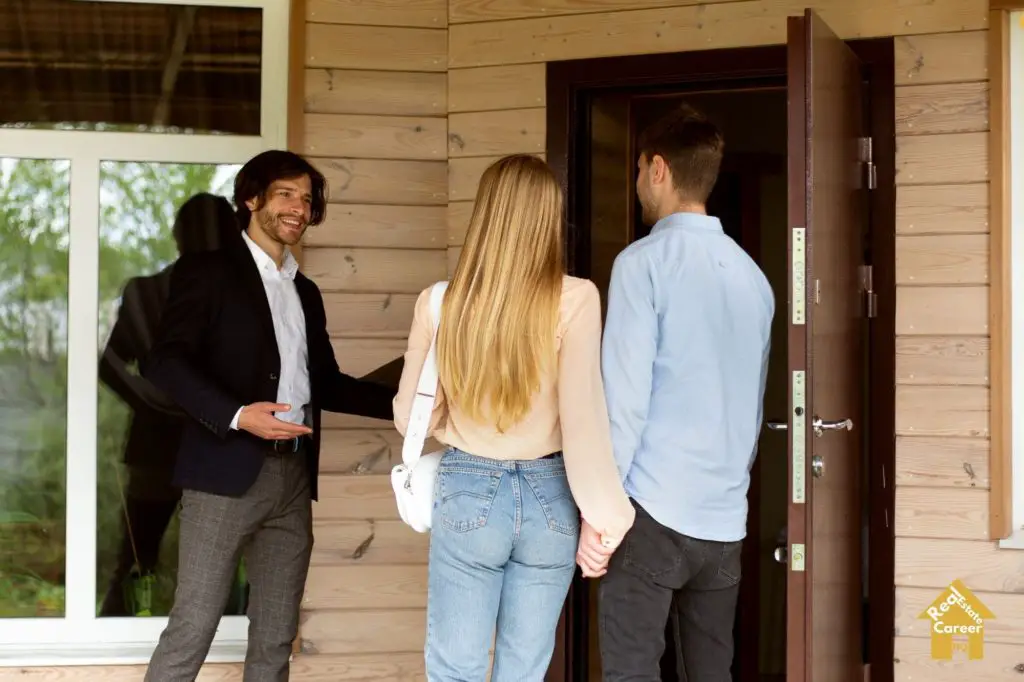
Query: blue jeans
(502, 555)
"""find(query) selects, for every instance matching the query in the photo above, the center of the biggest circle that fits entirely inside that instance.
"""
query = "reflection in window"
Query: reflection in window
(149, 213)
(130, 67)
(34, 235)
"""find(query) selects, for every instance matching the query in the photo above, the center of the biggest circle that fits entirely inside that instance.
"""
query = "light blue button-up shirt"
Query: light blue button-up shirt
(684, 359)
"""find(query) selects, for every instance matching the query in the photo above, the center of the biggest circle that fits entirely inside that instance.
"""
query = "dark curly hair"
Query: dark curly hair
(266, 168)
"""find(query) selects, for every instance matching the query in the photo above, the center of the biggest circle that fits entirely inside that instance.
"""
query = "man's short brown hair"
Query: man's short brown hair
(692, 147)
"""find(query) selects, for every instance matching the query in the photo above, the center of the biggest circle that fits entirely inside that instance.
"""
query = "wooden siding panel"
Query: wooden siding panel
(942, 57)
(942, 462)
(426, 13)
(369, 315)
(368, 225)
(387, 93)
(374, 270)
(942, 259)
(464, 176)
(346, 498)
(367, 587)
(708, 26)
(496, 133)
(368, 542)
(371, 136)
(941, 159)
(942, 411)
(337, 46)
(942, 209)
(949, 360)
(981, 565)
(957, 513)
(365, 181)
(461, 11)
(366, 631)
(459, 215)
(943, 108)
(942, 311)
(493, 88)
(913, 662)
(359, 357)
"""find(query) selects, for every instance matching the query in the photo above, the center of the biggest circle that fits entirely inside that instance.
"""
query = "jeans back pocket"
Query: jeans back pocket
(551, 488)
(466, 495)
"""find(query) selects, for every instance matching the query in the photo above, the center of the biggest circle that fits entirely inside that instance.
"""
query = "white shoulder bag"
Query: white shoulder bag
(413, 479)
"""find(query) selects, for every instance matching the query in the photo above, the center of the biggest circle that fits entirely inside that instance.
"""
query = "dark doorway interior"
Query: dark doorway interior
(596, 110)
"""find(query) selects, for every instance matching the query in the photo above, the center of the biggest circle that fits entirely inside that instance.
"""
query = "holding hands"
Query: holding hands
(594, 552)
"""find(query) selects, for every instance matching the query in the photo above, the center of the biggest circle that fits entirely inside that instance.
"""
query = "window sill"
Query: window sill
(57, 654)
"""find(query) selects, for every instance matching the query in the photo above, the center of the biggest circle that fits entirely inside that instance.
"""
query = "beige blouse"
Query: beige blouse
(568, 413)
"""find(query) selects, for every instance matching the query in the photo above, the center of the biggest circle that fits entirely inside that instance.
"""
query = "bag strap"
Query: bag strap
(426, 388)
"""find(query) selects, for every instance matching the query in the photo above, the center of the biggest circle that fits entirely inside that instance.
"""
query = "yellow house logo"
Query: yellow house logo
(957, 623)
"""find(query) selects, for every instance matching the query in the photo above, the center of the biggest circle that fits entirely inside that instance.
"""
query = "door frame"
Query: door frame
(567, 85)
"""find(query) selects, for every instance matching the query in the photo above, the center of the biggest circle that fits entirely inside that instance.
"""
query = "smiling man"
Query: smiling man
(243, 349)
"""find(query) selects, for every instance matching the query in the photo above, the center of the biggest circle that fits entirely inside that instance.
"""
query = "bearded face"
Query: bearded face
(285, 212)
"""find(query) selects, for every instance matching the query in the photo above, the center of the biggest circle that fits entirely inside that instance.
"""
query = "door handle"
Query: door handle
(821, 426)
(777, 425)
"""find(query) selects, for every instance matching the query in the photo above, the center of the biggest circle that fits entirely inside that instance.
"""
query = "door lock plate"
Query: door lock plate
(799, 460)
(799, 274)
(797, 557)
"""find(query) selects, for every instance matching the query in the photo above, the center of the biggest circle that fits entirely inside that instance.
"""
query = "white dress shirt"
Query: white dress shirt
(290, 330)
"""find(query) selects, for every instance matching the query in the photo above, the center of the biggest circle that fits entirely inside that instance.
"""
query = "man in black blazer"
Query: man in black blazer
(243, 349)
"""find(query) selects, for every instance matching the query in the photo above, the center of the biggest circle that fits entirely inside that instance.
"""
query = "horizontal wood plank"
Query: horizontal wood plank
(953, 513)
(356, 586)
(454, 253)
(942, 259)
(942, 411)
(429, 13)
(496, 133)
(941, 209)
(374, 270)
(464, 176)
(942, 108)
(702, 27)
(954, 57)
(493, 88)
(370, 631)
(942, 360)
(462, 11)
(941, 159)
(390, 93)
(942, 462)
(1006, 628)
(336, 420)
(359, 357)
(371, 136)
(366, 181)
(913, 662)
(408, 227)
(942, 311)
(339, 46)
(211, 672)
(359, 451)
(368, 542)
(369, 315)
(981, 565)
(344, 498)
(459, 215)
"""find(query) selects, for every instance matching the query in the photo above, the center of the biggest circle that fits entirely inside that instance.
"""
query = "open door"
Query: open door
(827, 214)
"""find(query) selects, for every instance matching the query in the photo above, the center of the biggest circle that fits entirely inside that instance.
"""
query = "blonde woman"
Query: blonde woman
(521, 408)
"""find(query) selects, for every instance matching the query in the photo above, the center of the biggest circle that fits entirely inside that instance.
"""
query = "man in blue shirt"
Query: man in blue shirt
(684, 358)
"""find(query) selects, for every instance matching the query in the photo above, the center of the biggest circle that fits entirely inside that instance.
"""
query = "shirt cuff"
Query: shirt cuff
(234, 422)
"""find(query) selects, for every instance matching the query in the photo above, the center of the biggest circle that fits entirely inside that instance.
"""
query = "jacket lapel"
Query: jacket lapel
(252, 284)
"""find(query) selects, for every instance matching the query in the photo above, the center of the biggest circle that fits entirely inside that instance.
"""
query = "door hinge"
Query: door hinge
(868, 159)
(867, 285)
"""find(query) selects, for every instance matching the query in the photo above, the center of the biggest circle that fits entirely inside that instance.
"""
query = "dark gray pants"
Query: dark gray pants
(271, 525)
(657, 574)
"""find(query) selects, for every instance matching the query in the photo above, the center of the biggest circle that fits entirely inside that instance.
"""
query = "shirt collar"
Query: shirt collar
(689, 221)
(266, 264)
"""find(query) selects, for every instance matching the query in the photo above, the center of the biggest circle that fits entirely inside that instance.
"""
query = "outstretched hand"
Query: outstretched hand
(259, 420)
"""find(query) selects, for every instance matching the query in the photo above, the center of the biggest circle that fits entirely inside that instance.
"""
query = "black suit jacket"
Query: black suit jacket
(156, 423)
(216, 351)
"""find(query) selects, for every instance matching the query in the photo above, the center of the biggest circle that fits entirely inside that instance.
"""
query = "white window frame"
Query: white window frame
(81, 637)
(1015, 196)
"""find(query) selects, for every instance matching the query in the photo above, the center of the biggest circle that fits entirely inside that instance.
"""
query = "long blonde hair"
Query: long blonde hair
(497, 335)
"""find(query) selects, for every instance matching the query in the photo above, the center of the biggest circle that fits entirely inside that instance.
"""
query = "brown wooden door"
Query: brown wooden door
(827, 195)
